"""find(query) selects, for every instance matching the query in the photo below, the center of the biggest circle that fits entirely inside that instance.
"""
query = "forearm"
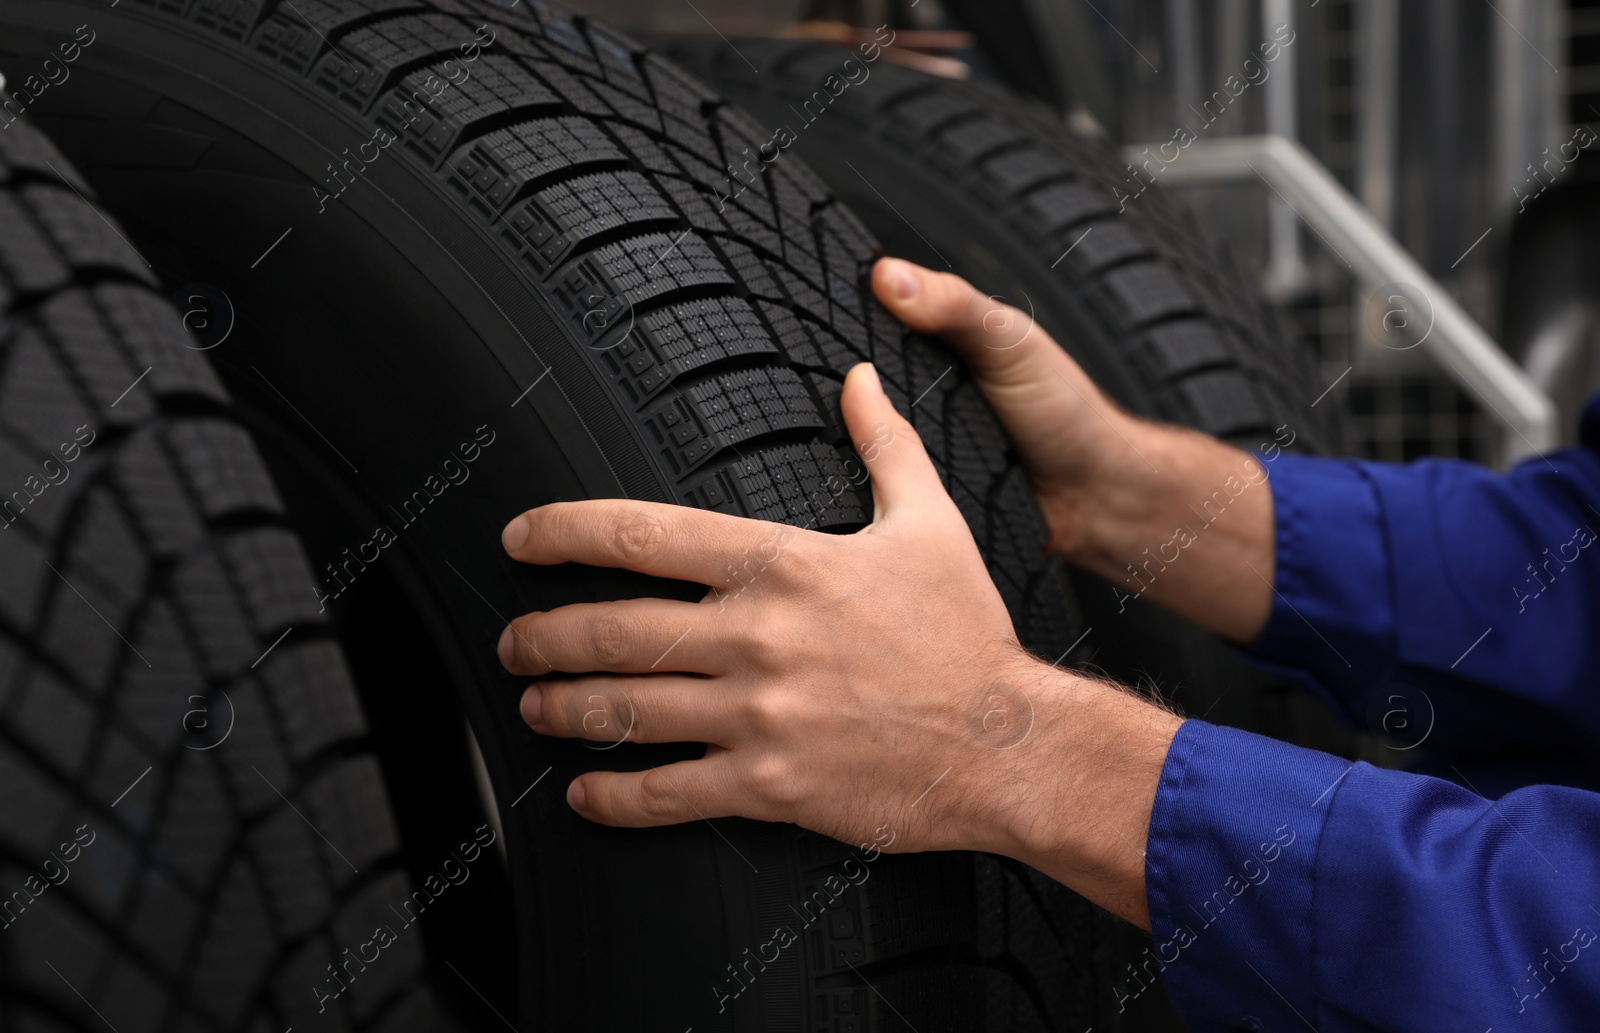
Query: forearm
(1174, 518)
(1075, 797)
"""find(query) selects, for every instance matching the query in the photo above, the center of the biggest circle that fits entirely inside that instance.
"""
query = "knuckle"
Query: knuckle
(772, 712)
(609, 638)
(658, 799)
(641, 534)
(754, 561)
(773, 779)
(760, 651)
(572, 710)
(550, 521)
(802, 561)
(757, 642)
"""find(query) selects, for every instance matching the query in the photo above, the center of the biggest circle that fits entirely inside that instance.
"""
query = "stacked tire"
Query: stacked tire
(436, 263)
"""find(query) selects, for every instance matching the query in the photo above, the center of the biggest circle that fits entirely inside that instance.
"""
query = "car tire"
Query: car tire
(196, 826)
(528, 267)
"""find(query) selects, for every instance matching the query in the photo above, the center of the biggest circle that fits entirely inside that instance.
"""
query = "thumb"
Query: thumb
(1033, 385)
(996, 339)
(903, 477)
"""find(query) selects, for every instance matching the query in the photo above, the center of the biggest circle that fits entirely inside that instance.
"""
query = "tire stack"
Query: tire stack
(436, 263)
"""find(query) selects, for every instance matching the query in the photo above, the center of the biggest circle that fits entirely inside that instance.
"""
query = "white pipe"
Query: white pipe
(1455, 342)
(1286, 268)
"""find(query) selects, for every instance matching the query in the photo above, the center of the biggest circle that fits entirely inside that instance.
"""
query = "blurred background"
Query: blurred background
(1463, 127)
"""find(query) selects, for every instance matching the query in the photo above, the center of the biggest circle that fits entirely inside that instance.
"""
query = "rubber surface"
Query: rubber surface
(963, 174)
(548, 228)
(180, 744)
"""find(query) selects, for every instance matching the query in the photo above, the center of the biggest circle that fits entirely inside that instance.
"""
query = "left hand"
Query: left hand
(841, 682)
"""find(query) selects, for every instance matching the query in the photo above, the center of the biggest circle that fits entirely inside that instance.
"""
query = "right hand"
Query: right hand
(1067, 431)
(1114, 488)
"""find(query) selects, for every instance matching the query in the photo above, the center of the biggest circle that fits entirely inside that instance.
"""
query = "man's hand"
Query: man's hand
(1068, 433)
(1162, 513)
(869, 686)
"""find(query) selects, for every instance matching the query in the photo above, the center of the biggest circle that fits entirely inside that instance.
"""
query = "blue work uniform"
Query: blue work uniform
(1458, 610)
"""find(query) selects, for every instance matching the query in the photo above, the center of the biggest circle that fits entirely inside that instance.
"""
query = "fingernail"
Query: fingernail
(505, 648)
(902, 280)
(575, 796)
(532, 705)
(514, 534)
(870, 372)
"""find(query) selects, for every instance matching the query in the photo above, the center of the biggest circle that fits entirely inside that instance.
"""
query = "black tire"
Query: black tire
(998, 188)
(157, 870)
(548, 226)
(962, 174)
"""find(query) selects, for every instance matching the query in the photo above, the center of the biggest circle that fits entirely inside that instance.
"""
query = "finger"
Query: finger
(1018, 366)
(989, 333)
(903, 477)
(648, 537)
(642, 708)
(686, 791)
(631, 636)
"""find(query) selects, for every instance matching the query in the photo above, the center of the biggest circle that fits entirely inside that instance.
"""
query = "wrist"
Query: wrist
(1081, 788)
(1114, 483)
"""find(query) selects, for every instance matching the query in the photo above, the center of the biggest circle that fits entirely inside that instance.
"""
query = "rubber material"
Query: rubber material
(194, 824)
(546, 233)
(963, 174)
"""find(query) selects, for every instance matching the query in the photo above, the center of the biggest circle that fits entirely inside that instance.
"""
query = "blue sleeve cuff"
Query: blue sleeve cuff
(1229, 878)
(1333, 613)
(1290, 890)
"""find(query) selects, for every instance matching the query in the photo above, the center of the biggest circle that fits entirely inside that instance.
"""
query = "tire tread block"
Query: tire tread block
(1145, 264)
(171, 579)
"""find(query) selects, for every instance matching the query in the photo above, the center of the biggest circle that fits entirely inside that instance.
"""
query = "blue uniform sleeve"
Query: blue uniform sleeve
(1292, 890)
(1457, 601)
